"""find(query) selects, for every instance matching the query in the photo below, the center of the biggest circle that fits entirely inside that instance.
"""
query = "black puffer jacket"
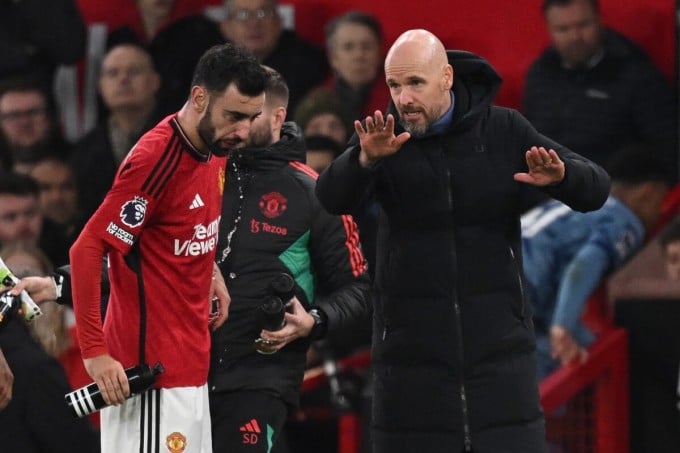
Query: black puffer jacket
(453, 341)
(276, 224)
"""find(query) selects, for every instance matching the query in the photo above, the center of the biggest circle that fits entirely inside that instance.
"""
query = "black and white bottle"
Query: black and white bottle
(88, 399)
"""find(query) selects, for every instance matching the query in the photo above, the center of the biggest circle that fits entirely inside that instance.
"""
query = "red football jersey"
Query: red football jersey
(159, 223)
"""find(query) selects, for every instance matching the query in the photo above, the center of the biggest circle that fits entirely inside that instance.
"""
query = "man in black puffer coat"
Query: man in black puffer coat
(453, 341)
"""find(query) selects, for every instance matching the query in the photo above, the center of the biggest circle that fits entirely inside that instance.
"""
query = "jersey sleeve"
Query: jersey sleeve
(116, 225)
(130, 202)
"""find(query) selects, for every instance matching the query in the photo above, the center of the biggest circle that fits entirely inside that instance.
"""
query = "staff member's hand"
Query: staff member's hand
(6, 382)
(299, 324)
(377, 139)
(545, 167)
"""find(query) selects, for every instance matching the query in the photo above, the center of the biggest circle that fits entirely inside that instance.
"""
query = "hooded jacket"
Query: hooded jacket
(273, 223)
(453, 343)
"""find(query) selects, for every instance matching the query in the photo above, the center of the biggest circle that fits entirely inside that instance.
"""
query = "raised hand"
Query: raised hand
(377, 139)
(545, 167)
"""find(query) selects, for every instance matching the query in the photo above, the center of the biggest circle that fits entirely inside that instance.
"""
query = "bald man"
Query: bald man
(453, 340)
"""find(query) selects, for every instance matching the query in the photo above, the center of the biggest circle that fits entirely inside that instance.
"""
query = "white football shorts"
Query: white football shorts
(168, 420)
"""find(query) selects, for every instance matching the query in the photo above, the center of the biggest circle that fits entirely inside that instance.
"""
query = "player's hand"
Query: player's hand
(377, 139)
(41, 289)
(110, 376)
(219, 299)
(565, 348)
(299, 324)
(6, 382)
(545, 167)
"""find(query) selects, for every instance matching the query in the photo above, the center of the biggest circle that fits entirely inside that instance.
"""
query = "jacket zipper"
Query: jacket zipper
(521, 284)
(467, 437)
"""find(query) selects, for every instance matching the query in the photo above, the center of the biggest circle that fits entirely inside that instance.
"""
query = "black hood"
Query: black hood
(290, 148)
(475, 84)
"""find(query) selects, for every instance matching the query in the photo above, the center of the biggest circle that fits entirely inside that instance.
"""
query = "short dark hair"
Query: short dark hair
(276, 88)
(18, 184)
(27, 85)
(319, 101)
(547, 4)
(354, 17)
(636, 163)
(222, 65)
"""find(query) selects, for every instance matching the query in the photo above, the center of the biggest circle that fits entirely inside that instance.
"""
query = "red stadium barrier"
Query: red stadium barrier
(349, 423)
(586, 405)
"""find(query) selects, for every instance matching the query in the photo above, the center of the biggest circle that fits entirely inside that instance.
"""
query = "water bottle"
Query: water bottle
(273, 309)
(272, 313)
(89, 399)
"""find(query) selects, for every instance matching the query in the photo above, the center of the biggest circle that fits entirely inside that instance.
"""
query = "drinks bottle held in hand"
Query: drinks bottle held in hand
(273, 309)
(272, 312)
(89, 399)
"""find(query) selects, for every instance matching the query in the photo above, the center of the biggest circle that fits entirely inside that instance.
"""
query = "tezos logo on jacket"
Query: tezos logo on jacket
(273, 204)
(133, 211)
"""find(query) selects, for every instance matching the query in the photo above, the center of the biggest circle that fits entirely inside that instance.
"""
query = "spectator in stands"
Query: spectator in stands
(59, 207)
(453, 360)
(321, 112)
(29, 123)
(594, 90)
(567, 254)
(36, 36)
(175, 42)
(321, 151)
(354, 43)
(37, 419)
(257, 26)
(272, 224)
(20, 218)
(128, 85)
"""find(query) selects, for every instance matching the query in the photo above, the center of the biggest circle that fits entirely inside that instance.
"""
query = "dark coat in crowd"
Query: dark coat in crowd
(37, 420)
(301, 64)
(37, 35)
(620, 98)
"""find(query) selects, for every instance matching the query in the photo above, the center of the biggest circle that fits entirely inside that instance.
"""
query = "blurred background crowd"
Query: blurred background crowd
(81, 81)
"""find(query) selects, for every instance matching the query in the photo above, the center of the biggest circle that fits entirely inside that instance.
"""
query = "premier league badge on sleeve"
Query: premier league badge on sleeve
(133, 211)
